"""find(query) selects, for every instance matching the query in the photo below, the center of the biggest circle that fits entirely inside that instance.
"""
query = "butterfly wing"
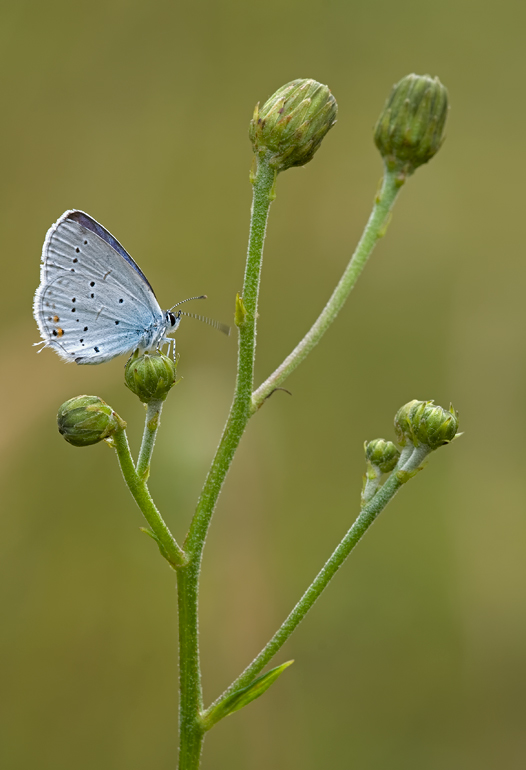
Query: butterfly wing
(93, 302)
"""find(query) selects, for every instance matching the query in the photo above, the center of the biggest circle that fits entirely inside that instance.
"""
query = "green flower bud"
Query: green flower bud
(86, 420)
(423, 422)
(410, 129)
(382, 454)
(404, 422)
(436, 426)
(290, 126)
(149, 376)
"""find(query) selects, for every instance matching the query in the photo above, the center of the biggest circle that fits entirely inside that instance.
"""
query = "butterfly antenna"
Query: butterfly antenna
(201, 296)
(215, 324)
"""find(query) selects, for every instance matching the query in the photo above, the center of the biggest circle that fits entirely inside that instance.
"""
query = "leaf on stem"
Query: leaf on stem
(237, 700)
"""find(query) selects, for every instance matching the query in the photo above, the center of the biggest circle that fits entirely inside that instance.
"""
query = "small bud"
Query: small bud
(150, 377)
(436, 426)
(423, 422)
(290, 126)
(410, 129)
(86, 420)
(382, 454)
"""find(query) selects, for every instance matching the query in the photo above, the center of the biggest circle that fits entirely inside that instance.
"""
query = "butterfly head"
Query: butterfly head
(172, 320)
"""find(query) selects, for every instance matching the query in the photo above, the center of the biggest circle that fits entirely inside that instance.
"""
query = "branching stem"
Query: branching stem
(137, 486)
(367, 516)
(374, 230)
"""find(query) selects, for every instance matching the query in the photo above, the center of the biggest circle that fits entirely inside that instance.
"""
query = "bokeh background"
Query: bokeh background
(415, 657)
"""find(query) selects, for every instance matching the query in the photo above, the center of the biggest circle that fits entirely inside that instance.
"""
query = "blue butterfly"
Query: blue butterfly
(94, 303)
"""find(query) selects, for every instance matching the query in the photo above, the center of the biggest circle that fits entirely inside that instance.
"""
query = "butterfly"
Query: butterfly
(94, 302)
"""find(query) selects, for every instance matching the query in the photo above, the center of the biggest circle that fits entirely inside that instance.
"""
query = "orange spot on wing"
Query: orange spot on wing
(60, 332)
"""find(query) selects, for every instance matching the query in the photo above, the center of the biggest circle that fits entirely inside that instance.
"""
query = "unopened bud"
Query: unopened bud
(291, 125)
(404, 422)
(150, 377)
(423, 422)
(86, 420)
(436, 426)
(410, 129)
(382, 454)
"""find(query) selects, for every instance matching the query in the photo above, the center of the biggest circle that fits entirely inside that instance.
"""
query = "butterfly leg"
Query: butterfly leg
(171, 345)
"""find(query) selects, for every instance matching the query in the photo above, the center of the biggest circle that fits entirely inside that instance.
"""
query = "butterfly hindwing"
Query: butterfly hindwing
(93, 302)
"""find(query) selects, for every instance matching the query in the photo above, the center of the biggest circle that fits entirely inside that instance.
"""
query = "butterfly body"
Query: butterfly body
(94, 303)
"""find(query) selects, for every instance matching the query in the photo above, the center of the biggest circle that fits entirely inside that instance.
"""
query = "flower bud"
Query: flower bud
(436, 426)
(403, 422)
(423, 422)
(86, 420)
(149, 376)
(290, 126)
(382, 454)
(410, 129)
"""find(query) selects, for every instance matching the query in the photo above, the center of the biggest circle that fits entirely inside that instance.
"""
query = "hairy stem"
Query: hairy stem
(137, 486)
(190, 722)
(151, 426)
(374, 230)
(191, 730)
(367, 516)
(240, 410)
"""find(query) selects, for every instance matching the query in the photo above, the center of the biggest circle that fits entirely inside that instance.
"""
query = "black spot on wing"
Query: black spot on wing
(90, 224)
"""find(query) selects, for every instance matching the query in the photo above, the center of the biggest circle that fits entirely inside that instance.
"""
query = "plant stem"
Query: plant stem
(367, 516)
(137, 486)
(374, 230)
(151, 426)
(240, 411)
(191, 730)
(190, 705)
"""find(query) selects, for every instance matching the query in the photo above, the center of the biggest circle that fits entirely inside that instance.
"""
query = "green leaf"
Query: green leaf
(150, 533)
(237, 700)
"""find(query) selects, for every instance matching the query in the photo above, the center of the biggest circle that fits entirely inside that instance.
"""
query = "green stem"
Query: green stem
(374, 230)
(367, 516)
(191, 730)
(137, 486)
(151, 426)
(372, 482)
(240, 411)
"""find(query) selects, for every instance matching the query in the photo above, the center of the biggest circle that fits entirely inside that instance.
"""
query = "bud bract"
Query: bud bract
(86, 420)
(150, 376)
(382, 454)
(290, 126)
(410, 129)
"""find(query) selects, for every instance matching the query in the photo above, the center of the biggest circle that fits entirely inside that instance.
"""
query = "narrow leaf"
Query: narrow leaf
(150, 533)
(237, 700)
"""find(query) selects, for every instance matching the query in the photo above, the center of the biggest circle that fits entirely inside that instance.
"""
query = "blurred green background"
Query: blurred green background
(415, 658)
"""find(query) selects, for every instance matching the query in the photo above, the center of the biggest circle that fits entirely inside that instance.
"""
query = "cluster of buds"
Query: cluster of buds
(420, 427)
(291, 125)
(86, 420)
